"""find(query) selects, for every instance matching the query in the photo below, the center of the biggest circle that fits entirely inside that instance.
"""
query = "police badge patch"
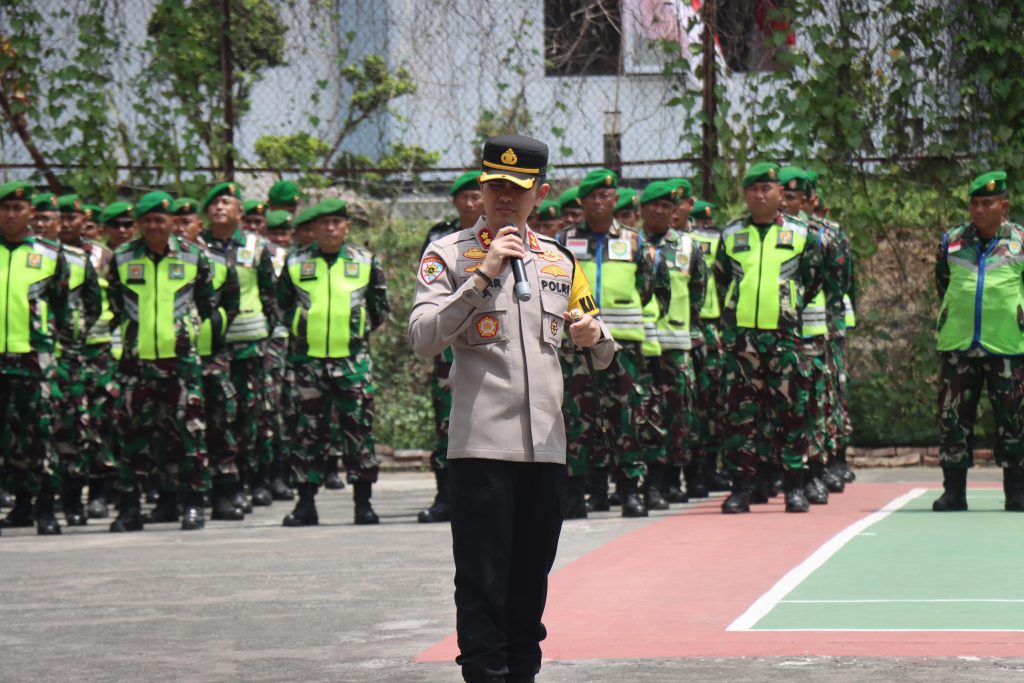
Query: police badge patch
(351, 269)
(431, 268)
(785, 238)
(34, 260)
(136, 272)
(176, 271)
(307, 270)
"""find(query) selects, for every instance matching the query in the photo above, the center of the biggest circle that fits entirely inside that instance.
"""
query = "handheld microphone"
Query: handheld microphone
(522, 289)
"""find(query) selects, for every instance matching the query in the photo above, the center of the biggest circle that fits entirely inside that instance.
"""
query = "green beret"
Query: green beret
(627, 199)
(116, 210)
(988, 184)
(305, 216)
(681, 184)
(548, 210)
(284, 193)
(812, 179)
(184, 206)
(569, 198)
(332, 207)
(44, 201)
(470, 180)
(154, 202)
(69, 203)
(793, 178)
(92, 211)
(764, 172)
(253, 206)
(821, 202)
(279, 220)
(228, 188)
(16, 189)
(599, 177)
(660, 189)
(702, 210)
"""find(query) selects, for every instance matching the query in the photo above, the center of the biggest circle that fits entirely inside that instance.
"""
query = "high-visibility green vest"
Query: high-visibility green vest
(219, 274)
(769, 283)
(159, 302)
(651, 313)
(673, 328)
(25, 270)
(984, 302)
(849, 315)
(814, 317)
(76, 259)
(332, 301)
(250, 324)
(100, 332)
(613, 281)
(709, 242)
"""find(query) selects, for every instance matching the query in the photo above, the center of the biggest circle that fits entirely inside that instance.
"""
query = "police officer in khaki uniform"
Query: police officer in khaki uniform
(506, 438)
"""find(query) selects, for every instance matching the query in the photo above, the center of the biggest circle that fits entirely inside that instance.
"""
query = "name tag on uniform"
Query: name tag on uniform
(741, 242)
(620, 250)
(785, 239)
(245, 257)
(34, 260)
(307, 270)
(136, 273)
(176, 271)
(351, 269)
(579, 246)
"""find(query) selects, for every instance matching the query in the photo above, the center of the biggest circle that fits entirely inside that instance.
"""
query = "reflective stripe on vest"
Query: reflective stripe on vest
(250, 324)
(158, 302)
(814, 318)
(850, 316)
(328, 297)
(617, 296)
(713, 238)
(219, 273)
(76, 278)
(25, 272)
(651, 345)
(674, 326)
(760, 295)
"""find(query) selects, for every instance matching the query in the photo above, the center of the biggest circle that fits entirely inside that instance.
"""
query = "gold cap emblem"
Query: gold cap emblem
(78, 205)
(991, 185)
(231, 188)
(164, 203)
(20, 192)
(771, 174)
(792, 184)
(608, 180)
(129, 210)
(88, 213)
(53, 200)
(509, 158)
(707, 211)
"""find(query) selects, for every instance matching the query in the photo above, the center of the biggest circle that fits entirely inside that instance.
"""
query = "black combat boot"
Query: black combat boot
(261, 496)
(739, 498)
(361, 493)
(46, 520)
(954, 490)
(814, 485)
(304, 513)
(152, 495)
(71, 502)
(615, 498)
(1013, 487)
(239, 498)
(6, 499)
(224, 505)
(845, 472)
(716, 480)
(21, 514)
(166, 510)
(192, 517)
(279, 488)
(696, 482)
(652, 487)
(575, 497)
(99, 495)
(332, 480)
(833, 478)
(761, 487)
(598, 484)
(632, 506)
(672, 489)
(793, 485)
(129, 513)
(438, 512)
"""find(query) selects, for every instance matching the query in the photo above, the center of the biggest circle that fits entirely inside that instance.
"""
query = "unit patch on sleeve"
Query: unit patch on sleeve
(432, 268)
(487, 326)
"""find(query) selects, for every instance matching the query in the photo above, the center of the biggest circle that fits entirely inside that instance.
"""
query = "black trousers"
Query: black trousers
(506, 519)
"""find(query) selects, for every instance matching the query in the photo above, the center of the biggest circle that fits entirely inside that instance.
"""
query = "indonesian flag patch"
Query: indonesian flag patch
(954, 247)
(431, 268)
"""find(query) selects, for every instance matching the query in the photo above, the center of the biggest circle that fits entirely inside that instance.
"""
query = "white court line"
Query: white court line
(897, 600)
(767, 602)
(891, 630)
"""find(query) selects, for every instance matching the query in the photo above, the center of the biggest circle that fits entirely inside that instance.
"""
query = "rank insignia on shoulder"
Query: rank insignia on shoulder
(136, 272)
(176, 271)
(619, 250)
(351, 269)
(485, 237)
(307, 270)
(533, 241)
(431, 268)
(785, 238)
(34, 260)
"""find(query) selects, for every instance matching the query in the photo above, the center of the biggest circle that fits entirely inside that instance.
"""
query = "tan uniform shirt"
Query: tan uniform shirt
(506, 380)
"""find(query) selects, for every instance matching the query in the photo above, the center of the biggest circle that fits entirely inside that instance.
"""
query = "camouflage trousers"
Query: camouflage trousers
(708, 365)
(441, 398)
(766, 407)
(679, 388)
(820, 436)
(961, 379)
(839, 417)
(28, 457)
(163, 425)
(247, 376)
(334, 412)
(73, 423)
(221, 410)
(103, 393)
(613, 401)
(272, 446)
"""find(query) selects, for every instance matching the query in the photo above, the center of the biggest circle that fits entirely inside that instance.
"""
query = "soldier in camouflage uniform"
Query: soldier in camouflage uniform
(675, 309)
(549, 219)
(768, 267)
(254, 216)
(626, 209)
(333, 294)
(979, 275)
(468, 201)
(46, 219)
(34, 286)
(160, 290)
(188, 224)
(250, 256)
(76, 438)
(569, 207)
(622, 276)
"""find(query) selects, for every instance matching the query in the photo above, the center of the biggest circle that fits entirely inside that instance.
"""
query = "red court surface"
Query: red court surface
(671, 588)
